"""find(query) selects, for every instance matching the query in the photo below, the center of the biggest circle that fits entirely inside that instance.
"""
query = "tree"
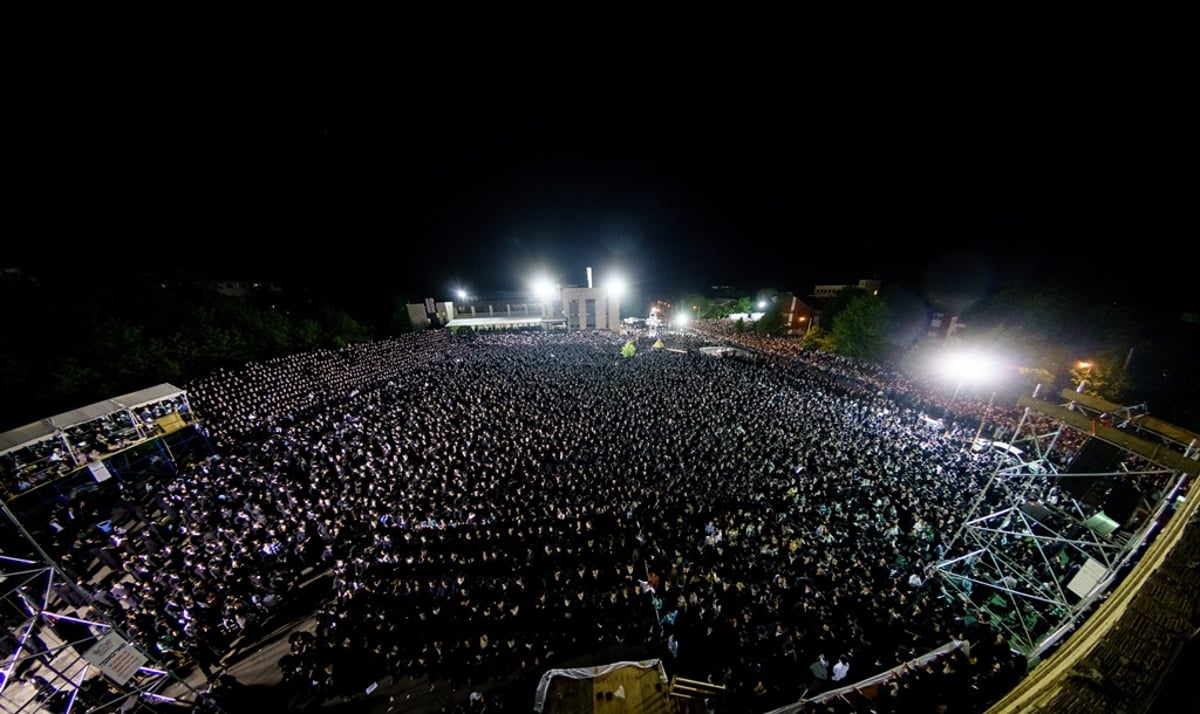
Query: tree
(694, 304)
(739, 327)
(817, 339)
(840, 302)
(859, 329)
(400, 321)
(1103, 377)
(340, 328)
(628, 350)
(771, 323)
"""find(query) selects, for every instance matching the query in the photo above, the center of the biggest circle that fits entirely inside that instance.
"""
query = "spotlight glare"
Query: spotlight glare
(543, 288)
(615, 286)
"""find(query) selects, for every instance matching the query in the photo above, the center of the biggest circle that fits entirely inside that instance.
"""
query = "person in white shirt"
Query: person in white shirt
(840, 669)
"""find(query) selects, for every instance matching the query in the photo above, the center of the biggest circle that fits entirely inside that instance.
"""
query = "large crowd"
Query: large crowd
(490, 506)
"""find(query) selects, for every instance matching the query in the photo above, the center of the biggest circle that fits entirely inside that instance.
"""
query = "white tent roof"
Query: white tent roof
(39, 430)
(522, 321)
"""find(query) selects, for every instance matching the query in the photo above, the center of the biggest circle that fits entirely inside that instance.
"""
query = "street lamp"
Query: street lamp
(1087, 373)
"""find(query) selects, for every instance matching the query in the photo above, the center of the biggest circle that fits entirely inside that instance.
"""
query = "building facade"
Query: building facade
(828, 291)
(591, 309)
(798, 316)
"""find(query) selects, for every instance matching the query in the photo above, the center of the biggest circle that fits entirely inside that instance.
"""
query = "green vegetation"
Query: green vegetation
(817, 339)
(771, 323)
(79, 344)
(858, 330)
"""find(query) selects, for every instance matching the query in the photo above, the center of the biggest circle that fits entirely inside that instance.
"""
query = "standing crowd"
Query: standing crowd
(491, 506)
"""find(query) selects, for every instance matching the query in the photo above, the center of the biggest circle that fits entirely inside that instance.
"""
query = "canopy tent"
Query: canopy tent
(497, 323)
(45, 428)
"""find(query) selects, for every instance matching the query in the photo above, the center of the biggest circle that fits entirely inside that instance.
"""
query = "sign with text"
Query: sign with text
(99, 471)
(115, 657)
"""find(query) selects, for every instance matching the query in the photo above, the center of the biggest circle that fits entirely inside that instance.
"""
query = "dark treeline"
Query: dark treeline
(73, 341)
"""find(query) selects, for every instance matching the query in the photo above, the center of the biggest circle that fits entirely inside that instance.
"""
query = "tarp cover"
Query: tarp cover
(496, 322)
(45, 428)
(543, 687)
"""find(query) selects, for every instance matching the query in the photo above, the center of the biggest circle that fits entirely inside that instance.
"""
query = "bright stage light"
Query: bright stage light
(615, 286)
(543, 288)
(968, 367)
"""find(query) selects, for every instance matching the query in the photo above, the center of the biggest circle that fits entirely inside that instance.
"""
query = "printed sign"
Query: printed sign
(99, 471)
(115, 657)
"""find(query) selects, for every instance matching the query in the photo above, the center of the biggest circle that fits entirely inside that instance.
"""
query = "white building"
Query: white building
(570, 308)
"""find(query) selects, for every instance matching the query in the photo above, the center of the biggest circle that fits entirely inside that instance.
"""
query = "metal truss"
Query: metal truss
(1034, 556)
(53, 631)
(50, 663)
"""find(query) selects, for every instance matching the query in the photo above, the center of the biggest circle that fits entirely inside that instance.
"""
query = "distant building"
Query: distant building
(591, 308)
(430, 313)
(798, 315)
(943, 326)
(828, 291)
(569, 308)
(239, 288)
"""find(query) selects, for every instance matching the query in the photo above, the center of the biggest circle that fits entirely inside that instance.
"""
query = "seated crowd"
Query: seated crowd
(493, 506)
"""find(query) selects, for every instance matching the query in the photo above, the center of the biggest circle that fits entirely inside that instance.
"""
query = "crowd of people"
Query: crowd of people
(490, 506)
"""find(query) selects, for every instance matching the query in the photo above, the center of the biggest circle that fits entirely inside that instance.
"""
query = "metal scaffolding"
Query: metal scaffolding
(61, 648)
(66, 655)
(1037, 550)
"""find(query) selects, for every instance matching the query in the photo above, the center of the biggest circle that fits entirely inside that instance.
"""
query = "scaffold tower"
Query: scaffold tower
(1084, 486)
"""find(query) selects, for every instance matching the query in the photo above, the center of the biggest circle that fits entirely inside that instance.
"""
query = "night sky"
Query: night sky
(421, 185)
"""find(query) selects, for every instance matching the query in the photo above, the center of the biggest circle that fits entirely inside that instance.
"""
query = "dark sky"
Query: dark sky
(419, 184)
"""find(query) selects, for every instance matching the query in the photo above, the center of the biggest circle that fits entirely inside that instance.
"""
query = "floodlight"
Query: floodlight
(543, 288)
(615, 286)
(968, 367)
(762, 304)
